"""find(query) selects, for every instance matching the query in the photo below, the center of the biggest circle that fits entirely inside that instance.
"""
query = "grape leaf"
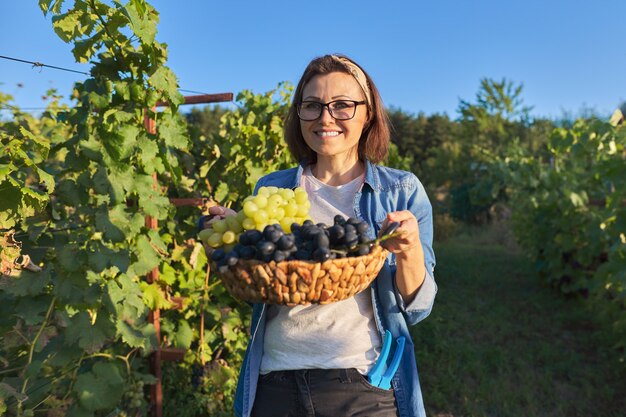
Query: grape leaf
(101, 388)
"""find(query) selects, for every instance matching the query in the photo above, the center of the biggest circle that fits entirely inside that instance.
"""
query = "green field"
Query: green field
(499, 343)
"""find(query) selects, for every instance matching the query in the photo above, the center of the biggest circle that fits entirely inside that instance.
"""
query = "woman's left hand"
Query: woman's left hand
(410, 268)
(408, 235)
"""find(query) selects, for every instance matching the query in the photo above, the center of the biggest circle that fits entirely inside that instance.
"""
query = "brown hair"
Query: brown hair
(374, 141)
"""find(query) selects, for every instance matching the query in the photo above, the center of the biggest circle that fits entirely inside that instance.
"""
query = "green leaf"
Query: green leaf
(71, 258)
(154, 297)
(100, 389)
(53, 6)
(576, 200)
(184, 335)
(112, 223)
(173, 132)
(131, 336)
(70, 194)
(90, 337)
(140, 21)
(10, 201)
(67, 26)
(147, 257)
(167, 274)
(27, 283)
(164, 80)
(126, 297)
(85, 48)
(5, 170)
(46, 179)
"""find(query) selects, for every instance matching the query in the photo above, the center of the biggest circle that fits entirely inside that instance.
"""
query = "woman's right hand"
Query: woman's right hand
(215, 213)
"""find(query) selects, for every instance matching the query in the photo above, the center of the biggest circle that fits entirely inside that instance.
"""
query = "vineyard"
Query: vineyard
(84, 270)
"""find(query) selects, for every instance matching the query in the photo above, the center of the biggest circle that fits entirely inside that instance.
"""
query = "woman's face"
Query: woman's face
(327, 136)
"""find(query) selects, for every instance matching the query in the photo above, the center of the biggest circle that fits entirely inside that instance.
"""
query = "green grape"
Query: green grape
(205, 234)
(241, 216)
(261, 216)
(291, 208)
(263, 191)
(215, 240)
(303, 210)
(248, 224)
(250, 208)
(220, 225)
(280, 213)
(275, 200)
(287, 193)
(260, 201)
(233, 224)
(301, 196)
(272, 189)
(229, 237)
(285, 223)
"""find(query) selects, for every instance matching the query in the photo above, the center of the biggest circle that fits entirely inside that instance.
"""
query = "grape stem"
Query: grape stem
(387, 233)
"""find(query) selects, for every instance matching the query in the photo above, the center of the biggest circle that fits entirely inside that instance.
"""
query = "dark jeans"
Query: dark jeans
(321, 393)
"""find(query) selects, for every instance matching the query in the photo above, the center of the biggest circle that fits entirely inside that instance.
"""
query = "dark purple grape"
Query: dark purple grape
(308, 223)
(302, 254)
(363, 250)
(336, 233)
(247, 252)
(339, 219)
(321, 254)
(244, 238)
(322, 241)
(362, 227)
(351, 239)
(274, 235)
(231, 259)
(350, 228)
(279, 256)
(218, 255)
(286, 242)
(254, 236)
(353, 221)
(363, 238)
(267, 230)
(265, 248)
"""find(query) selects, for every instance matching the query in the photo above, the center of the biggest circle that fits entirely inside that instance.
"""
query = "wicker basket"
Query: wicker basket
(302, 282)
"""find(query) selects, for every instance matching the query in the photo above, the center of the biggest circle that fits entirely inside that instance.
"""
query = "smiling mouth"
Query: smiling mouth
(328, 134)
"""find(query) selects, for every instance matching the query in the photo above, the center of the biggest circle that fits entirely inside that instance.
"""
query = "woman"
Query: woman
(314, 360)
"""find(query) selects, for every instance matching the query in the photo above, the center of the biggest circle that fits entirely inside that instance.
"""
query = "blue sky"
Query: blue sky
(423, 56)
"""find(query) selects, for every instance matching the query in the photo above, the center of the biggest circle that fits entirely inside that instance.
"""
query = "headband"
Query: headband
(358, 75)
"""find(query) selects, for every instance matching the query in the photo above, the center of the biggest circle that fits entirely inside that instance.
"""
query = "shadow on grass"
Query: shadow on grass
(499, 343)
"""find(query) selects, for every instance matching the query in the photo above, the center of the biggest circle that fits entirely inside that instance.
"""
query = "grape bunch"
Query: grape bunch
(134, 395)
(271, 205)
(308, 241)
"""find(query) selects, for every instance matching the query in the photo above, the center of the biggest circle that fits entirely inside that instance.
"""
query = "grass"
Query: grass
(499, 343)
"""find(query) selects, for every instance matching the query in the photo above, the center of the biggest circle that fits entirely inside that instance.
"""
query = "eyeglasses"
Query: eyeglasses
(339, 109)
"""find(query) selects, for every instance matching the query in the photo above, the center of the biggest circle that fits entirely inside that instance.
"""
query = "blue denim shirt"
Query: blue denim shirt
(384, 190)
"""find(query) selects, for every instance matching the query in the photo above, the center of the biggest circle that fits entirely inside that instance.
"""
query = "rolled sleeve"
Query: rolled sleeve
(420, 307)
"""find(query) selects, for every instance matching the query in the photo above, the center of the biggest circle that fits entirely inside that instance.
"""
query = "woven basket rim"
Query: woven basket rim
(374, 252)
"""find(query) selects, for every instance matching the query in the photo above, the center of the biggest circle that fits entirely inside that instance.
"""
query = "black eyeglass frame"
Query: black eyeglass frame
(327, 105)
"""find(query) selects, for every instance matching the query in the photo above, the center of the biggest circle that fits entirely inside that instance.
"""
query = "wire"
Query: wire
(39, 64)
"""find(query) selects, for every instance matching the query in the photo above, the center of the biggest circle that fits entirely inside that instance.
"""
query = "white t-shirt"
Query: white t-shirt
(331, 336)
